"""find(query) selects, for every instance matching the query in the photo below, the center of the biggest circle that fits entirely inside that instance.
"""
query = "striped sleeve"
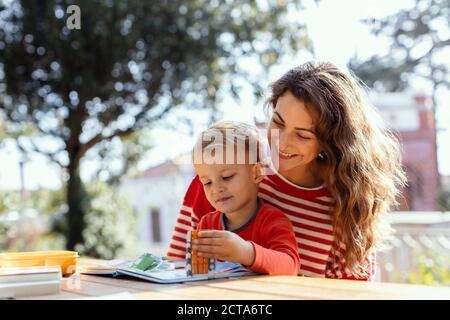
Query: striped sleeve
(194, 207)
(336, 268)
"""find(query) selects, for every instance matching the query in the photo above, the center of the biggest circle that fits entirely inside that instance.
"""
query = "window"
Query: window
(155, 221)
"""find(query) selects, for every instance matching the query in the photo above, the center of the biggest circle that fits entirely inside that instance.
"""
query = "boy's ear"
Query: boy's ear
(257, 172)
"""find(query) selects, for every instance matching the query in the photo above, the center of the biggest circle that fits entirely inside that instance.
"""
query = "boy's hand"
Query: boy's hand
(224, 245)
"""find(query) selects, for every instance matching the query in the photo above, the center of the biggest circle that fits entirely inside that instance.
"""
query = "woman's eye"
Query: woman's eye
(228, 177)
(277, 123)
(303, 137)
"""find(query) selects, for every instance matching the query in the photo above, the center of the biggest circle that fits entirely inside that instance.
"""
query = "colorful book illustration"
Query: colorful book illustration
(160, 270)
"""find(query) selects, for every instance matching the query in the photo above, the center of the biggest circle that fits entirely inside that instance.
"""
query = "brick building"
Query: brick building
(411, 115)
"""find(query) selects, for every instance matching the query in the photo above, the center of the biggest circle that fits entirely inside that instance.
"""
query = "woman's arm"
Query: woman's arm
(194, 207)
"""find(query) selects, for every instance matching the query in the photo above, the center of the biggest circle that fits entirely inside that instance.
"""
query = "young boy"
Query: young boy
(243, 228)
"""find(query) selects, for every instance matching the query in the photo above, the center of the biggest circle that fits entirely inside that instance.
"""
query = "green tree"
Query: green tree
(14, 212)
(419, 42)
(129, 64)
(14, 130)
(110, 224)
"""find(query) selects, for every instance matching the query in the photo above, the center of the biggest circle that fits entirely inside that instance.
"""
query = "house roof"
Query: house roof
(400, 100)
(174, 165)
(160, 170)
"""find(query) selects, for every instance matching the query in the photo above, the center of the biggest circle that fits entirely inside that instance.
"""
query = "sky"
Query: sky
(337, 34)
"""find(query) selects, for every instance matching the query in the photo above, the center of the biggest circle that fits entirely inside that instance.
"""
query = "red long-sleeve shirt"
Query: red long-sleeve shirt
(272, 236)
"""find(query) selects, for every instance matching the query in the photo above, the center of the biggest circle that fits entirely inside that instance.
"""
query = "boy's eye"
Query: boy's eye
(207, 183)
(228, 177)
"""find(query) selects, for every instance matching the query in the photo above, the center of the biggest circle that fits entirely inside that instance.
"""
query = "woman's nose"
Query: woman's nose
(283, 141)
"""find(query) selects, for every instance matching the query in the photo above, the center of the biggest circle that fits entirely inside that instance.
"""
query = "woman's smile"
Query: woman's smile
(286, 155)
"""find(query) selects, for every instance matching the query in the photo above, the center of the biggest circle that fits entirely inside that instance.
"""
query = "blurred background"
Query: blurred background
(100, 102)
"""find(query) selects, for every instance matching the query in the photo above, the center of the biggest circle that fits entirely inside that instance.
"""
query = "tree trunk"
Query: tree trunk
(76, 201)
(76, 197)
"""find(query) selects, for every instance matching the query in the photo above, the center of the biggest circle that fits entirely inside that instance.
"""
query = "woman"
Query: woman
(338, 172)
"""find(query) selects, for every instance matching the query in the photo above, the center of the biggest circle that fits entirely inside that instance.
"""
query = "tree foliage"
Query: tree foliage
(420, 46)
(129, 64)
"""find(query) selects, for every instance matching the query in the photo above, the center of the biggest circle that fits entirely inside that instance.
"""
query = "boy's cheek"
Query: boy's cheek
(209, 198)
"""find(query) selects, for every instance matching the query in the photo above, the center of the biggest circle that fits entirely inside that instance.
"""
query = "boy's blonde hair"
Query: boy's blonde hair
(243, 138)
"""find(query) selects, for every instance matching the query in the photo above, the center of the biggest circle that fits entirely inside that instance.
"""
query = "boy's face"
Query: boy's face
(228, 187)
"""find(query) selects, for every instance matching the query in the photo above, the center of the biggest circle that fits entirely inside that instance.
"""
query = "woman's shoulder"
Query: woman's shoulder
(271, 213)
(278, 186)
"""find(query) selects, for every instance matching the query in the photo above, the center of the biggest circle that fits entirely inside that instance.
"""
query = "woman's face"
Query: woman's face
(298, 144)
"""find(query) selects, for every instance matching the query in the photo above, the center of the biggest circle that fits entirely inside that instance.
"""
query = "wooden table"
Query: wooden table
(255, 287)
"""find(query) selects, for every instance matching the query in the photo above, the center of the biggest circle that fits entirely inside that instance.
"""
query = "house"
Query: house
(156, 196)
(411, 116)
(445, 182)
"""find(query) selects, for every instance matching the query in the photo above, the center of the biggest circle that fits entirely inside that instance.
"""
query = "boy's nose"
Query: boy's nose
(219, 189)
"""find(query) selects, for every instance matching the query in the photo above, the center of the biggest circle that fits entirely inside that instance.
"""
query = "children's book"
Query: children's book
(160, 270)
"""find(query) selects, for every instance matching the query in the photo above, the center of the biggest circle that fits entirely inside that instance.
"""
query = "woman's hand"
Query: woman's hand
(223, 245)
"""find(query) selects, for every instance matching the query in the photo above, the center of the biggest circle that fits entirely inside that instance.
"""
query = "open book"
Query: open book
(165, 271)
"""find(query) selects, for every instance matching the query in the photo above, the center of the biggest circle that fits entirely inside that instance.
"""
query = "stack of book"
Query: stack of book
(29, 281)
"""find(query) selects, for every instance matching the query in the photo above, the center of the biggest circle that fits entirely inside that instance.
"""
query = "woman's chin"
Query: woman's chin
(286, 165)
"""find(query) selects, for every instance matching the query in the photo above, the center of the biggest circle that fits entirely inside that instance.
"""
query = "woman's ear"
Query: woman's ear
(257, 172)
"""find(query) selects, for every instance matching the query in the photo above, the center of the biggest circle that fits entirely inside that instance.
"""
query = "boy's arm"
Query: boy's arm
(279, 255)
(195, 206)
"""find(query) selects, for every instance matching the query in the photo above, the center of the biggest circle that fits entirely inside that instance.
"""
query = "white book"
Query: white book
(29, 281)
(28, 274)
(27, 289)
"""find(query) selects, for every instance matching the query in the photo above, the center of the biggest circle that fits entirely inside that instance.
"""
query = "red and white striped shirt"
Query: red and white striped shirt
(309, 209)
